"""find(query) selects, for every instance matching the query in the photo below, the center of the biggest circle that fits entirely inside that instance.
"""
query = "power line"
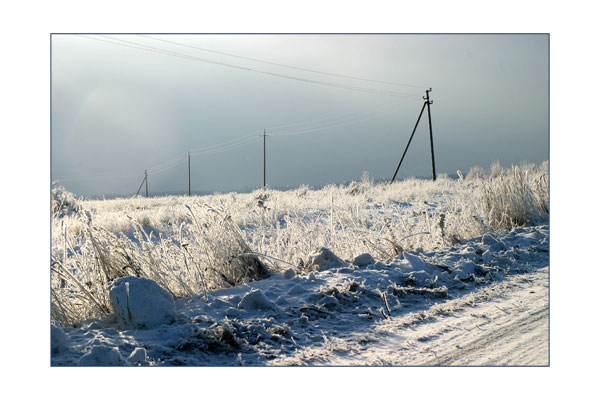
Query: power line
(283, 65)
(309, 122)
(226, 143)
(166, 163)
(329, 122)
(227, 148)
(167, 167)
(321, 128)
(138, 46)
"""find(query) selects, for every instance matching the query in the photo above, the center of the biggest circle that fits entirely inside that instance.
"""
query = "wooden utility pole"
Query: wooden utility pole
(264, 158)
(429, 102)
(189, 175)
(146, 179)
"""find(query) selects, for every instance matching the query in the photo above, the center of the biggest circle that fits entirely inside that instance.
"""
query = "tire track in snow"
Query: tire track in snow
(515, 344)
(503, 324)
(510, 328)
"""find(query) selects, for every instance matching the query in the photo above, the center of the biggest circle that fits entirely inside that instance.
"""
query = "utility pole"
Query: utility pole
(264, 135)
(429, 102)
(189, 175)
(146, 179)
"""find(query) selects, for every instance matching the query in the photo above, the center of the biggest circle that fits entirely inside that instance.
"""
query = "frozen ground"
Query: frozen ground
(482, 302)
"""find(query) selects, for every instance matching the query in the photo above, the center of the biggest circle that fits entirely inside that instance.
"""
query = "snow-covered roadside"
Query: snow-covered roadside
(505, 323)
(467, 305)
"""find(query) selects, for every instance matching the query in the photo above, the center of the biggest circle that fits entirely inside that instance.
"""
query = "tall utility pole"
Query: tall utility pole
(429, 102)
(146, 179)
(189, 175)
(264, 135)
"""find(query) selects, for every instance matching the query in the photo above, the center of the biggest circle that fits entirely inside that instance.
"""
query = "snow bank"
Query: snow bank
(417, 263)
(323, 258)
(489, 240)
(137, 357)
(289, 273)
(58, 339)
(363, 260)
(141, 303)
(102, 355)
(465, 269)
(256, 300)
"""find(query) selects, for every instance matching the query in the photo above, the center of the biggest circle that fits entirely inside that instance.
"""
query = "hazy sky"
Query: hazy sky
(118, 110)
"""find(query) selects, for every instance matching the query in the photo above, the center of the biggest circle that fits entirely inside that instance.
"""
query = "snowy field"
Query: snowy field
(452, 272)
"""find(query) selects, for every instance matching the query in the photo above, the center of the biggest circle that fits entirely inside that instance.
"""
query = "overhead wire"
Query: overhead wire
(325, 125)
(283, 65)
(166, 163)
(227, 148)
(139, 46)
(362, 118)
(226, 143)
(308, 122)
(167, 167)
(345, 119)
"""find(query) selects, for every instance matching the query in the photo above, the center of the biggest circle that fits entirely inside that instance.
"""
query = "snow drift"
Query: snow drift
(140, 303)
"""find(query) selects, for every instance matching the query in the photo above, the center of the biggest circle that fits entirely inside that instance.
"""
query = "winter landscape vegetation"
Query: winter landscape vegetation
(418, 272)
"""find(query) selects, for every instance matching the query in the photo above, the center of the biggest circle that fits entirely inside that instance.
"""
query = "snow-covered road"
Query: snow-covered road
(505, 323)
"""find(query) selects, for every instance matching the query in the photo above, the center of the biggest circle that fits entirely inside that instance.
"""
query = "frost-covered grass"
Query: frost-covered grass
(190, 245)
(516, 196)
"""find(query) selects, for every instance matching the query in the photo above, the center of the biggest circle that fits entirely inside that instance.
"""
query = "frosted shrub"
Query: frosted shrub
(363, 186)
(302, 191)
(517, 196)
(205, 254)
(496, 169)
(476, 172)
(63, 202)
(219, 248)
